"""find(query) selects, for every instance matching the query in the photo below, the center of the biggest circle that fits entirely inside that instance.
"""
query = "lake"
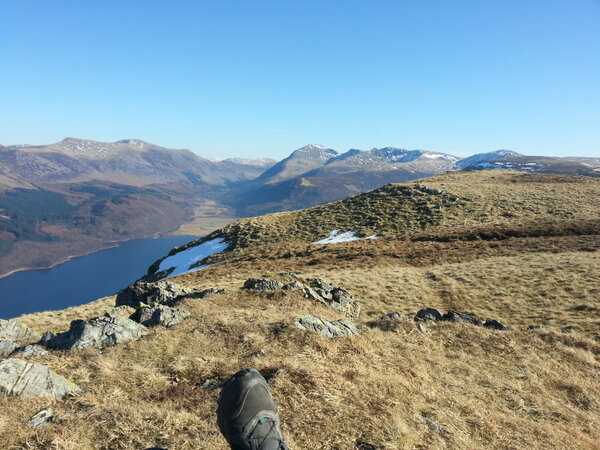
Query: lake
(82, 279)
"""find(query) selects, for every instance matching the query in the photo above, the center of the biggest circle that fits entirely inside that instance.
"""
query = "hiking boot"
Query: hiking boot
(247, 414)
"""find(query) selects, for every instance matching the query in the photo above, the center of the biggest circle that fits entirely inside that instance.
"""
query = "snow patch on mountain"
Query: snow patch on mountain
(335, 237)
(182, 261)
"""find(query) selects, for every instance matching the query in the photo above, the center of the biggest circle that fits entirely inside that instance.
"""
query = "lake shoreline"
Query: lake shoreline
(84, 278)
(108, 246)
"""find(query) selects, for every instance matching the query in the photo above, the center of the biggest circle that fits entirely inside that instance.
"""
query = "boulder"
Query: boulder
(17, 332)
(30, 350)
(6, 347)
(330, 330)
(159, 315)
(343, 302)
(19, 377)
(263, 284)
(98, 332)
(454, 316)
(426, 314)
(141, 292)
(495, 325)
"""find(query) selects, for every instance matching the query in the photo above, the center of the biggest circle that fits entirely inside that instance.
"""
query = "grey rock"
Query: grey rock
(343, 301)
(143, 293)
(263, 284)
(311, 294)
(41, 418)
(98, 332)
(454, 316)
(495, 325)
(17, 332)
(327, 295)
(293, 286)
(318, 283)
(19, 377)
(336, 328)
(426, 314)
(6, 347)
(421, 327)
(159, 315)
(30, 350)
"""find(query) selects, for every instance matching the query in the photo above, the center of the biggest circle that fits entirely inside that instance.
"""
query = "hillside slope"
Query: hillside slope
(519, 248)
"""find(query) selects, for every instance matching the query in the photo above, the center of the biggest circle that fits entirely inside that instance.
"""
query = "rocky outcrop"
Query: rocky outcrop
(263, 284)
(98, 332)
(143, 293)
(18, 377)
(30, 350)
(431, 314)
(6, 347)
(330, 330)
(313, 289)
(427, 314)
(17, 332)
(454, 316)
(159, 315)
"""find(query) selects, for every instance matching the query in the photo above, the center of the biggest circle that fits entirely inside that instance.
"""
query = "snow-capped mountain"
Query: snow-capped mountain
(300, 161)
(482, 160)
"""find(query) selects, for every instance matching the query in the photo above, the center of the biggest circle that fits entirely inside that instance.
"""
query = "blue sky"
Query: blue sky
(261, 78)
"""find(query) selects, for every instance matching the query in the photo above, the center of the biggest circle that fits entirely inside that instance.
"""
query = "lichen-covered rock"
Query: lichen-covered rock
(263, 284)
(6, 347)
(143, 293)
(30, 350)
(159, 315)
(330, 330)
(98, 332)
(17, 332)
(427, 314)
(18, 377)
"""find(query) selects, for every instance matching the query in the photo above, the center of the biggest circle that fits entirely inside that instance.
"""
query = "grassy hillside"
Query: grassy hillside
(519, 248)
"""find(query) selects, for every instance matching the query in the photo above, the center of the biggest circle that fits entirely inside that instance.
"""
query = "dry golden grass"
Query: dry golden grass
(520, 389)
(503, 390)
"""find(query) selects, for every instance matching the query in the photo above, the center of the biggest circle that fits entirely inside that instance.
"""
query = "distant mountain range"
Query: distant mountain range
(77, 195)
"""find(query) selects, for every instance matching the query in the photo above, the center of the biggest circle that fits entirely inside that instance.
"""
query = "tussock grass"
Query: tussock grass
(525, 388)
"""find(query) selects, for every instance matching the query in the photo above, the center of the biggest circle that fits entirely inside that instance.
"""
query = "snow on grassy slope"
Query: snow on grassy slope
(183, 260)
(335, 237)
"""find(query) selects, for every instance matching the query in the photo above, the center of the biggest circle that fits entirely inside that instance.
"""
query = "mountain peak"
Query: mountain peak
(314, 152)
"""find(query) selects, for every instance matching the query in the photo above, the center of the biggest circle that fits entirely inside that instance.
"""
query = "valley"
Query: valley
(78, 196)
(517, 248)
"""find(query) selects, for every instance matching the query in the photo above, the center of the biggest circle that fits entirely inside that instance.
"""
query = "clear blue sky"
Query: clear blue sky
(262, 78)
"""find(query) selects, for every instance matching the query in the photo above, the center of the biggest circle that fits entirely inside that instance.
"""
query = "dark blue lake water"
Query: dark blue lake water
(82, 279)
